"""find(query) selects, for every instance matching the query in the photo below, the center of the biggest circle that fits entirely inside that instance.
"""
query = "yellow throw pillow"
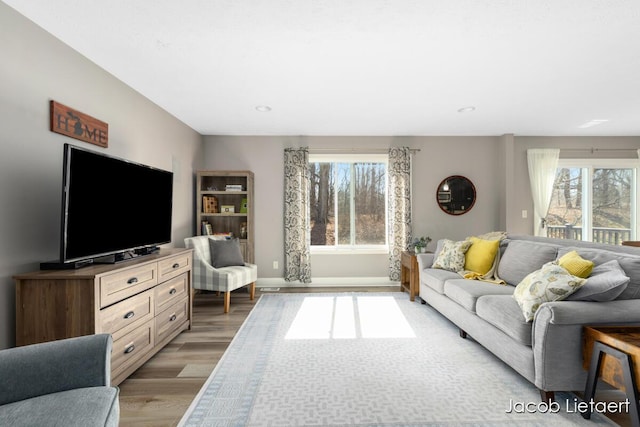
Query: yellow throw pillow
(480, 255)
(576, 265)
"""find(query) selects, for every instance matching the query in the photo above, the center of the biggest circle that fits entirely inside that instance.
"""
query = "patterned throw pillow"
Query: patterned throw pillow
(551, 283)
(451, 257)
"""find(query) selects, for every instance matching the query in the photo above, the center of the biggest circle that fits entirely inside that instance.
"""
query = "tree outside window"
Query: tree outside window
(348, 203)
(594, 202)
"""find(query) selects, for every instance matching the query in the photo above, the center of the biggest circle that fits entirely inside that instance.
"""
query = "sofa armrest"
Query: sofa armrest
(424, 260)
(589, 312)
(50, 367)
(557, 338)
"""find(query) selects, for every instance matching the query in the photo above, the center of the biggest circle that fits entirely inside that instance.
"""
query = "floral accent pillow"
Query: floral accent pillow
(451, 257)
(551, 283)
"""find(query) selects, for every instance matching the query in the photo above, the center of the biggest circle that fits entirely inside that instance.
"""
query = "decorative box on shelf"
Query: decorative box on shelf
(227, 209)
(209, 204)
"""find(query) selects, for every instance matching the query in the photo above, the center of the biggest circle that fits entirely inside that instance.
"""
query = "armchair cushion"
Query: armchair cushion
(225, 253)
(86, 407)
(64, 382)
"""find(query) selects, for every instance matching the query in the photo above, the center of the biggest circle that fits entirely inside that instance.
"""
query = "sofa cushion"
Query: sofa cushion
(86, 407)
(522, 257)
(575, 264)
(451, 257)
(606, 283)
(551, 283)
(466, 292)
(480, 255)
(435, 278)
(629, 263)
(503, 312)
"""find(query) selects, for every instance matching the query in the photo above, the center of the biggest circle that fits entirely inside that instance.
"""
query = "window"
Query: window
(594, 200)
(348, 201)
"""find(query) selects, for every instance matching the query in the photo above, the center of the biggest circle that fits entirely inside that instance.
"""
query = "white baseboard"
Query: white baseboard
(270, 282)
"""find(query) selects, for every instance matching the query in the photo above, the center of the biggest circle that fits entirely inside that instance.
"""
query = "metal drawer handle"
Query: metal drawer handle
(172, 318)
(129, 349)
(172, 291)
(176, 265)
(129, 315)
(132, 280)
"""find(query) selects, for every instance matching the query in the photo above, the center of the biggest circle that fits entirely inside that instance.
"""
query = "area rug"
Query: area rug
(364, 359)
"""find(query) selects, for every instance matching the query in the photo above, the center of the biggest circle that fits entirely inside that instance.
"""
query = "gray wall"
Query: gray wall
(496, 165)
(439, 157)
(34, 69)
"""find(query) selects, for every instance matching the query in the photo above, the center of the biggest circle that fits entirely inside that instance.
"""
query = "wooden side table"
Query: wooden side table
(409, 274)
(613, 353)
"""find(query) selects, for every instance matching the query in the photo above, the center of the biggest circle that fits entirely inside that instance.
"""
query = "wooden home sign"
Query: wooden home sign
(73, 123)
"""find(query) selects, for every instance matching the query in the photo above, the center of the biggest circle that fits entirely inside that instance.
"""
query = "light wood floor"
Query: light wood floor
(160, 391)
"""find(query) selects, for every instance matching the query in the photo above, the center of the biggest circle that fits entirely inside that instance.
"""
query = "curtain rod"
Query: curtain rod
(356, 150)
(593, 150)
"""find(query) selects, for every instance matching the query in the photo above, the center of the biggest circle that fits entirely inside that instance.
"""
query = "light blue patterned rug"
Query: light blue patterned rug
(363, 359)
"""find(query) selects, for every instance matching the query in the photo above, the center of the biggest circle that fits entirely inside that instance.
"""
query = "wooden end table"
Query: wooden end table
(409, 274)
(613, 353)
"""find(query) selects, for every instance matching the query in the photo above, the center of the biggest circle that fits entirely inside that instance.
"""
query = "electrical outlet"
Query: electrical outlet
(275, 265)
(524, 213)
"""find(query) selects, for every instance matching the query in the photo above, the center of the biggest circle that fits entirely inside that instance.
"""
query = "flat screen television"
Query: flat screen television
(112, 209)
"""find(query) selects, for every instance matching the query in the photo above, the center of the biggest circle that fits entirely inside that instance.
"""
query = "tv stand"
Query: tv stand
(144, 303)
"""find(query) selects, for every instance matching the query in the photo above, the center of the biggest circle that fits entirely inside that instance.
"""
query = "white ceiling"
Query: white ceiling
(367, 67)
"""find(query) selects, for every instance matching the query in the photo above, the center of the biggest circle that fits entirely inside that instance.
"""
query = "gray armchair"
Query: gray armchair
(59, 383)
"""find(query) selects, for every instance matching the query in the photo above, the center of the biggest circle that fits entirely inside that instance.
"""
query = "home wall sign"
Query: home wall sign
(74, 124)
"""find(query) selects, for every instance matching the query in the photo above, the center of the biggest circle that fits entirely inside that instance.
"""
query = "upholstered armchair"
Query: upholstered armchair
(59, 383)
(222, 269)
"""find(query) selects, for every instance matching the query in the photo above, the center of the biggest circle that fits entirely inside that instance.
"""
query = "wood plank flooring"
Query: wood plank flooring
(160, 391)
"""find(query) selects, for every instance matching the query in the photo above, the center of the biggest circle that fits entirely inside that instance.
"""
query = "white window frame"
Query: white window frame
(355, 158)
(589, 165)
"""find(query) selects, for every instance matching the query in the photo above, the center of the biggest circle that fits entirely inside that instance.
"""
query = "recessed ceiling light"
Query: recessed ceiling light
(466, 109)
(263, 108)
(592, 123)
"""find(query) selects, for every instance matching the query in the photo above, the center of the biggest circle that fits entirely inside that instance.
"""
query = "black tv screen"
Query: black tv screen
(112, 206)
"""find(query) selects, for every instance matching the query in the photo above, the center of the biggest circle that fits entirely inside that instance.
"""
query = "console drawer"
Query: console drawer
(130, 347)
(171, 291)
(171, 319)
(174, 266)
(133, 310)
(123, 284)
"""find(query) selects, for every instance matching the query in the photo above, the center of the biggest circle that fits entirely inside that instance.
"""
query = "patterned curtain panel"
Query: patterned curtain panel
(399, 214)
(297, 237)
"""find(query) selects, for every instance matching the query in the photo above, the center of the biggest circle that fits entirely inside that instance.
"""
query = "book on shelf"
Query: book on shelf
(233, 187)
(206, 229)
(223, 236)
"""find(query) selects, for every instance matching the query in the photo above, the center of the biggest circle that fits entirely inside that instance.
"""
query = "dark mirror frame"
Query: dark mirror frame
(460, 196)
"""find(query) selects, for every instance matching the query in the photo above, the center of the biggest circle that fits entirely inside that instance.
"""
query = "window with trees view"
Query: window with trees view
(593, 201)
(348, 201)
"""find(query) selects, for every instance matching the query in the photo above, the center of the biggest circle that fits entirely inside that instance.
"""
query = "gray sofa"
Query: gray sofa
(59, 383)
(548, 350)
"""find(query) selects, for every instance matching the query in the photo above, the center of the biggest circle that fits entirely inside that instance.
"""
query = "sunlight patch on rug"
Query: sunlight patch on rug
(349, 317)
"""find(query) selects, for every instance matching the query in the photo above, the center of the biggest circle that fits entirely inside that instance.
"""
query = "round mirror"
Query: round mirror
(456, 195)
